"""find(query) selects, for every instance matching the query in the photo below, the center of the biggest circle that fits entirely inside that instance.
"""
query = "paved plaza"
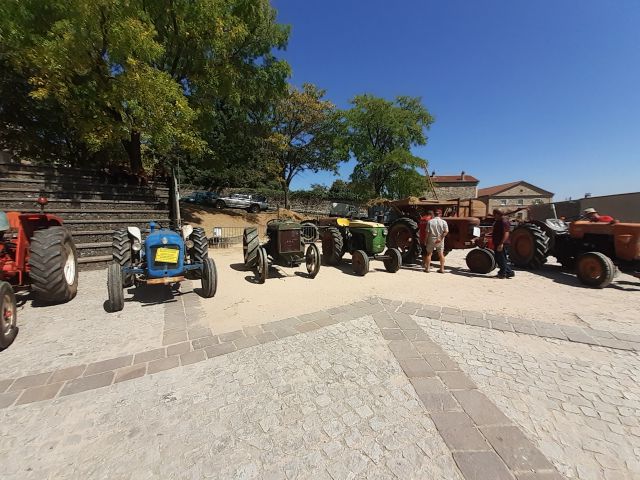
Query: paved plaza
(376, 388)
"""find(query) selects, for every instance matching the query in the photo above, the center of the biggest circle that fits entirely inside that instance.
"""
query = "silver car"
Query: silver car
(251, 203)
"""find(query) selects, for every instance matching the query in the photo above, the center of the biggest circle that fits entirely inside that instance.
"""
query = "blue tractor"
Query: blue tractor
(164, 257)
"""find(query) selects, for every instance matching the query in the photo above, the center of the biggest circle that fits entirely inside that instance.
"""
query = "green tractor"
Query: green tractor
(289, 244)
(363, 240)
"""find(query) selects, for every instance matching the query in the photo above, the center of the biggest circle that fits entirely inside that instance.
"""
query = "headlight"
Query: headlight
(136, 246)
(375, 233)
(164, 240)
(189, 244)
(385, 232)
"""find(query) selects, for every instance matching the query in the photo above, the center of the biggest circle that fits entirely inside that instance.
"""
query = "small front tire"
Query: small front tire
(393, 262)
(262, 266)
(360, 262)
(209, 278)
(312, 260)
(595, 269)
(115, 288)
(8, 315)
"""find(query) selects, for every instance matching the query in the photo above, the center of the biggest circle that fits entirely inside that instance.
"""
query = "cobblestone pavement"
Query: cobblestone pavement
(580, 403)
(328, 404)
(374, 389)
(81, 331)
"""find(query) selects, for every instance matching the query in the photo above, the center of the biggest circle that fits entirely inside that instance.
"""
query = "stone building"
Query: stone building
(510, 196)
(452, 187)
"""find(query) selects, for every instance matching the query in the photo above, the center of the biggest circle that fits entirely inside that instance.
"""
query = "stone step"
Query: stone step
(105, 193)
(91, 215)
(29, 203)
(73, 183)
(88, 236)
(95, 262)
(84, 246)
(112, 224)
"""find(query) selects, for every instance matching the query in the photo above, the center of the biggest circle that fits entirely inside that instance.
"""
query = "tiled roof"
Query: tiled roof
(487, 192)
(453, 179)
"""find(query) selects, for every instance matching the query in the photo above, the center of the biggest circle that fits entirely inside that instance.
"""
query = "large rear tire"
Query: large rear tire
(403, 235)
(199, 252)
(121, 253)
(394, 261)
(595, 269)
(481, 260)
(312, 260)
(8, 315)
(115, 288)
(332, 246)
(54, 265)
(360, 262)
(209, 278)
(250, 246)
(529, 246)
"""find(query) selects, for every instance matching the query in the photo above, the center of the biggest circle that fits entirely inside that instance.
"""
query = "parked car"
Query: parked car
(251, 203)
(201, 198)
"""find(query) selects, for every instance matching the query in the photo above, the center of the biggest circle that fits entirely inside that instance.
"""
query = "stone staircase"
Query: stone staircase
(91, 207)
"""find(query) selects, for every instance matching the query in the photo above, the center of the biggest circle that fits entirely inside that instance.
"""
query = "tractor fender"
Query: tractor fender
(187, 230)
(135, 233)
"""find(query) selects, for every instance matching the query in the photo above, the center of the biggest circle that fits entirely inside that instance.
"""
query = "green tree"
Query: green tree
(380, 136)
(406, 182)
(152, 77)
(306, 134)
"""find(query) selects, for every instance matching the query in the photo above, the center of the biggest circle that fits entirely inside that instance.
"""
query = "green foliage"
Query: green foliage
(160, 78)
(380, 136)
(306, 134)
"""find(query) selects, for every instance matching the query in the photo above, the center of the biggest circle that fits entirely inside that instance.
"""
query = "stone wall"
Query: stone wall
(451, 191)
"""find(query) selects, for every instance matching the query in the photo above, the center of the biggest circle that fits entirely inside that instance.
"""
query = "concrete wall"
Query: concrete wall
(450, 191)
(624, 207)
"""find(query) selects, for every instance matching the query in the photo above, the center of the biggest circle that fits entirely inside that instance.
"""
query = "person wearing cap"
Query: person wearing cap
(437, 229)
(593, 216)
(500, 234)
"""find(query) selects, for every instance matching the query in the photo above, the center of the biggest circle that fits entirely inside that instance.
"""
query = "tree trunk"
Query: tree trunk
(285, 187)
(132, 147)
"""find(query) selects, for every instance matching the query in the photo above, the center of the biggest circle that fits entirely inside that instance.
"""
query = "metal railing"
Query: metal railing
(225, 237)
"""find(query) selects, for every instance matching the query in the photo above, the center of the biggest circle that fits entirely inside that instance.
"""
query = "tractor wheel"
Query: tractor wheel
(54, 265)
(360, 262)
(250, 246)
(8, 315)
(115, 287)
(209, 278)
(199, 252)
(394, 261)
(481, 260)
(332, 246)
(403, 235)
(121, 252)
(595, 269)
(312, 260)
(262, 266)
(529, 246)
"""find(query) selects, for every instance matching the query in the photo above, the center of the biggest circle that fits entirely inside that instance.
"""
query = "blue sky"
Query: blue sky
(545, 91)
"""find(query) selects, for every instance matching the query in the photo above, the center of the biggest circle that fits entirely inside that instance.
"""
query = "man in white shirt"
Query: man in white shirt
(437, 229)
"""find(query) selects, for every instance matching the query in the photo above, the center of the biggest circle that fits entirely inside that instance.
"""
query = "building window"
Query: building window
(537, 201)
(520, 201)
(503, 203)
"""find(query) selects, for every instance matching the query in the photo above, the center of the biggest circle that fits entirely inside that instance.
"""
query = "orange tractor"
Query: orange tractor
(594, 250)
(37, 253)
(405, 217)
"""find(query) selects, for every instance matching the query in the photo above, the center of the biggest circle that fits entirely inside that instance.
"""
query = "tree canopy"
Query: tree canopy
(380, 135)
(136, 77)
(306, 134)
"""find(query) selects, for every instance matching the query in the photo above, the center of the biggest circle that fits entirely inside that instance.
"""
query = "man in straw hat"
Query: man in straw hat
(593, 216)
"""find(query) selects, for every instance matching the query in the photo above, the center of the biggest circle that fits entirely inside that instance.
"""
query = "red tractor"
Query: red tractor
(36, 253)
(405, 217)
